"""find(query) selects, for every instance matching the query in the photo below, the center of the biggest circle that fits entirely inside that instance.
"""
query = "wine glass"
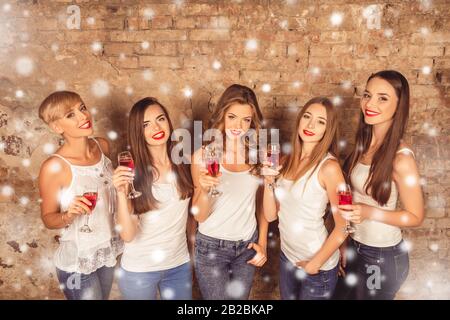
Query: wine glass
(212, 160)
(90, 193)
(126, 160)
(344, 192)
(273, 158)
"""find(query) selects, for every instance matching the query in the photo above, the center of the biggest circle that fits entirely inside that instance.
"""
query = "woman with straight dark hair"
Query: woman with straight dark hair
(307, 184)
(153, 225)
(232, 233)
(381, 168)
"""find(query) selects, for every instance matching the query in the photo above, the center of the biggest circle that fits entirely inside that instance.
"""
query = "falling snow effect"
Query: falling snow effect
(187, 92)
(20, 94)
(168, 294)
(351, 279)
(96, 46)
(216, 65)
(337, 18)
(251, 45)
(235, 289)
(24, 66)
(266, 87)
(60, 85)
(112, 135)
(7, 191)
(147, 75)
(49, 148)
(145, 45)
(100, 88)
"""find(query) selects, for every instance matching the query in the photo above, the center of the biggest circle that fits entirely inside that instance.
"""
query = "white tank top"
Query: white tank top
(233, 215)
(86, 252)
(161, 241)
(302, 207)
(369, 232)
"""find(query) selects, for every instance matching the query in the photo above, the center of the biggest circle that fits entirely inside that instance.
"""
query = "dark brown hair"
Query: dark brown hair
(328, 143)
(379, 181)
(144, 163)
(242, 95)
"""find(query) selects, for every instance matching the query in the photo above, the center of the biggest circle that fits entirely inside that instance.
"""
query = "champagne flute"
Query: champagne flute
(344, 192)
(212, 161)
(273, 158)
(90, 193)
(126, 160)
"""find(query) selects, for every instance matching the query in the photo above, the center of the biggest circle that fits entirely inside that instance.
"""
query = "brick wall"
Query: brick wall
(288, 51)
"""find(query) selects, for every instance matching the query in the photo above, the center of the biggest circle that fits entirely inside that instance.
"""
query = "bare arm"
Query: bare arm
(330, 176)
(54, 175)
(406, 177)
(270, 203)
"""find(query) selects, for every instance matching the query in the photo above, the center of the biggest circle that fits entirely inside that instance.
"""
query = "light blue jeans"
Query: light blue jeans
(173, 284)
(93, 286)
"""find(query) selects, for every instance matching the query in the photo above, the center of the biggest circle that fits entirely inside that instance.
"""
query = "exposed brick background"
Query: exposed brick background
(161, 48)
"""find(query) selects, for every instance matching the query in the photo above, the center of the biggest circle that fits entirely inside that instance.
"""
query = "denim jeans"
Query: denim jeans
(93, 286)
(296, 284)
(173, 284)
(380, 272)
(221, 267)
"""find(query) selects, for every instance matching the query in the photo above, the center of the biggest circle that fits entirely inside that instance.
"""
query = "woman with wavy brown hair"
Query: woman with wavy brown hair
(153, 225)
(232, 233)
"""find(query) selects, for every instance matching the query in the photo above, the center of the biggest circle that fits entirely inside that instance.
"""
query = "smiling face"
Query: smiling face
(313, 123)
(238, 119)
(76, 122)
(156, 126)
(379, 101)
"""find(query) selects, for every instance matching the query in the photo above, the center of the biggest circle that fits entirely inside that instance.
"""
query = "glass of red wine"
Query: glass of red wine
(90, 193)
(212, 160)
(344, 192)
(126, 160)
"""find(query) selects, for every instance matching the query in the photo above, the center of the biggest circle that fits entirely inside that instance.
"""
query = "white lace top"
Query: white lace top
(86, 252)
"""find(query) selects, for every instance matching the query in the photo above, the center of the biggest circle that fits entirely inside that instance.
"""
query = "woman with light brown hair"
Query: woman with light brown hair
(232, 233)
(153, 225)
(307, 182)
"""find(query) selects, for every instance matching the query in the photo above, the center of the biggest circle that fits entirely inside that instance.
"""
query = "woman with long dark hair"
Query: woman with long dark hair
(382, 169)
(232, 233)
(153, 225)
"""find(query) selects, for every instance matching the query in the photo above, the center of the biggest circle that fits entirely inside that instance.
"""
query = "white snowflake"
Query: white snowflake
(187, 92)
(158, 255)
(54, 47)
(216, 65)
(406, 246)
(149, 13)
(251, 45)
(315, 71)
(424, 31)
(23, 248)
(286, 148)
(49, 148)
(112, 135)
(145, 45)
(284, 24)
(235, 289)
(100, 88)
(147, 75)
(426, 69)
(337, 18)
(194, 210)
(411, 181)
(168, 294)
(351, 279)
(96, 46)
(90, 21)
(28, 272)
(60, 85)
(266, 87)
(20, 93)
(7, 191)
(94, 110)
(337, 100)
(388, 33)
(24, 201)
(24, 66)
(296, 84)
(432, 132)
(118, 228)
(300, 274)
(26, 162)
(7, 7)
(129, 90)
(164, 88)
(342, 144)
(434, 247)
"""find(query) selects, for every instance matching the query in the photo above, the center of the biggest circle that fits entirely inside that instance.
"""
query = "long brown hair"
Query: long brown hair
(144, 162)
(242, 95)
(379, 181)
(328, 143)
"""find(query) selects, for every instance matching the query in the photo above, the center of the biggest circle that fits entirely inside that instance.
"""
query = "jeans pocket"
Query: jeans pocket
(401, 267)
(200, 248)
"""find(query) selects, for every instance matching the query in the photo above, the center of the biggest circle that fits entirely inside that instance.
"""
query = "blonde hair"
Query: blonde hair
(57, 104)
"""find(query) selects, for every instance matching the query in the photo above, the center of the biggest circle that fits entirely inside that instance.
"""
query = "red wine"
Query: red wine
(92, 197)
(345, 198)
(213, 168)
(127, 163)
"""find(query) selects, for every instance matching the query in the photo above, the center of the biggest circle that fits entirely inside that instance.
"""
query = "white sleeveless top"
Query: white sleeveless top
(302, 207)
(161, 241)
(233, 215)
(86, 252)
(369, 232)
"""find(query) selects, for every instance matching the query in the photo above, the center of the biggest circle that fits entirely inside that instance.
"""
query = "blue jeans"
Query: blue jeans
(93, 286)
(221, 267)
(379, 272)
(173, 284)
(296, 284)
